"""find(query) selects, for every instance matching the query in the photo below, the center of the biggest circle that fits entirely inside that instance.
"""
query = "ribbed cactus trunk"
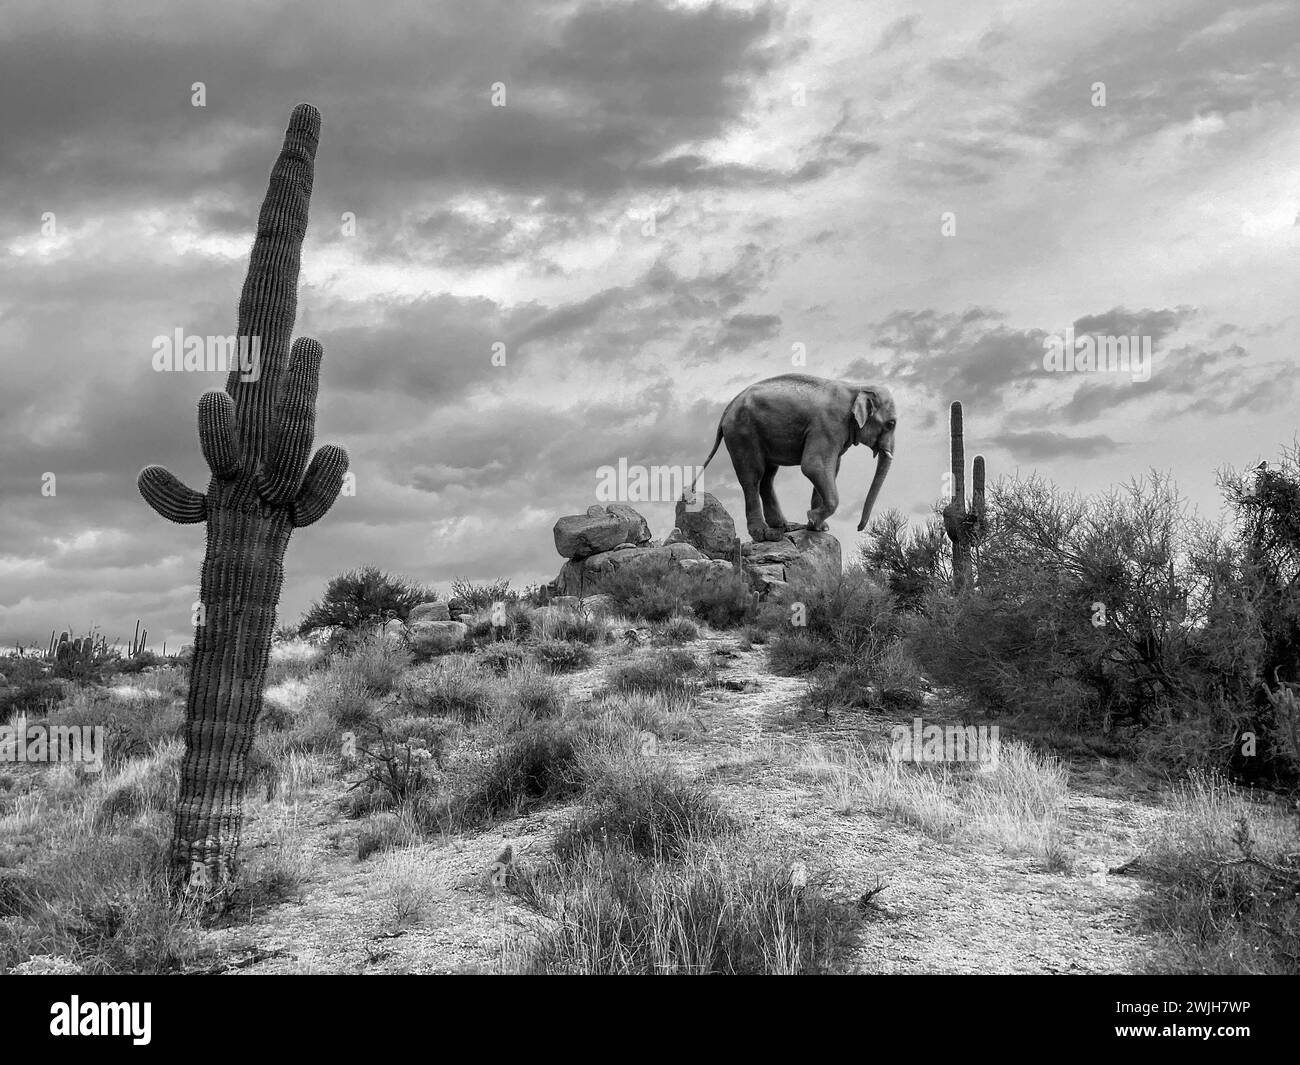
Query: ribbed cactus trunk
(965, 527)
(255, 436)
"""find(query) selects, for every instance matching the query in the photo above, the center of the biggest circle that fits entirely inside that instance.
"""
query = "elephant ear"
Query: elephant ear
(863, 404)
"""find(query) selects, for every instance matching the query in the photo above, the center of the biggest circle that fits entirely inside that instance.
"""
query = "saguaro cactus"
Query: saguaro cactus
(965, 526)
(255, 436)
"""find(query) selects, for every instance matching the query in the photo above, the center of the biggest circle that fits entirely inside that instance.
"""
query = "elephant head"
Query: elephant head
(875, 416)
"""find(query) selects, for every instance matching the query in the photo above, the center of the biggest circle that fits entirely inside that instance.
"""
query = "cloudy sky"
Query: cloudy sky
(674, 200)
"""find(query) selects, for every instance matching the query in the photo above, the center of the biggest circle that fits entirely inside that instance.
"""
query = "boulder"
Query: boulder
(599, 603)
(600, 529)
(818, 560)
(591, 574)
(709, 528)
(437, 637)
(435, 611)
(779, 592)
(638, 527)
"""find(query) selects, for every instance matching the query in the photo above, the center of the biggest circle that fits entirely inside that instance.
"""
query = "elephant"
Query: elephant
(805, 421)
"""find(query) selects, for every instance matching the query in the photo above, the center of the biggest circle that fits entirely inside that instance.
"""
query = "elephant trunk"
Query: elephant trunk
(883, 461)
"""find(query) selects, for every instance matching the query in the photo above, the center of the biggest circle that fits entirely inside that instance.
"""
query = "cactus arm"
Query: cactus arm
(320, 487)
(175, 501)
(958, 436)
(296, 422)
(218, 435)
(269, 300)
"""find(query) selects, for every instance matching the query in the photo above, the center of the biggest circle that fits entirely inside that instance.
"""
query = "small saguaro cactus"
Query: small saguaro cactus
(965, 526)
(255, 436)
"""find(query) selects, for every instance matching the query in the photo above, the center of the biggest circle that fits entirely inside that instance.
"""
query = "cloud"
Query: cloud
(1041, 445)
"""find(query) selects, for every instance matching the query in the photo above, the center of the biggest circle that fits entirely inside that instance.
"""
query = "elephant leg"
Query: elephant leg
(826, 497)
(771, 508)
(750, 475)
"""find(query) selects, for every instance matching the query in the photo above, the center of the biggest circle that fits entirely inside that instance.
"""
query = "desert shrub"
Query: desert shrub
(795, 652)
(663, 589)
(1227, 872)
(471, 597)
(344, 700)
(34, 698)
(912, 562)
(393, 770)
(363, 596)
(560, 656)
(385, 830)
(457, 690)
(565, 625)
(98, 897)
(510, 620)
(292, 659)
(531, 694)
(666, 715)
(141, 786)
(676, 629)
(669, 672)
(134, 719)
(131, 664)
(437, 734)
(851, 613)
(648, 809)
(376, 663)
(536, 764)
(720, 910)
(501, 656)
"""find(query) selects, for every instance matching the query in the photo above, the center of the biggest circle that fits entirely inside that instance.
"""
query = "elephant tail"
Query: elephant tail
(716, 442)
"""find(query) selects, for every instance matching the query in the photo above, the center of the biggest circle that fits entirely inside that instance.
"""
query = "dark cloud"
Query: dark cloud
(1042, 444)
(898, 33)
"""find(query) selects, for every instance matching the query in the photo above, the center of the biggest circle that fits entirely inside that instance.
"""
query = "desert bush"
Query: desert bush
(666, 715)
(795, 652)
(673, 673)
(534, 765)
(646, 808)
(142, 786)
(660, 590)
(506, 620)
(134, 719)
(676, 630)
(375, 662)
(403, 888)
(34, 698)
(1227, 873)
(385, 830)
(393, 771)
(292, 659)
(471, 597)
(565, 625)
(530, 694)
(720, 910)
(457, 690)
(364, 596)
(501, 656)
(344, 700)
(560, 656)
(97, 897)
(913, 562)
(276, 868)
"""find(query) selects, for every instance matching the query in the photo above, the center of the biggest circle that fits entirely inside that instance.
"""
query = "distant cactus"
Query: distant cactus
(965, 526)
(255, 436)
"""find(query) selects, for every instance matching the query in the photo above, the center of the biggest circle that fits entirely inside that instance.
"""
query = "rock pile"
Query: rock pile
(615, 539)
